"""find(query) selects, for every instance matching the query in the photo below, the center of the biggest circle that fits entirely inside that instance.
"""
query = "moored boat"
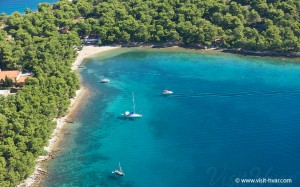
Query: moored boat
(167, 92)
(104, 80)
(119, 171)
(133, 114)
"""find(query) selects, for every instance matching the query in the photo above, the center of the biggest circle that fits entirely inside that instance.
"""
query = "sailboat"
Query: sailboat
(119, 172)
(133, 114)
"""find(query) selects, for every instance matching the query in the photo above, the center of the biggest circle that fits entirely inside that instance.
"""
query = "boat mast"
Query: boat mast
(120, 169)
(133, 102)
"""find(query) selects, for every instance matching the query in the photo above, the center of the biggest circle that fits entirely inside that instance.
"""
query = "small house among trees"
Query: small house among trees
(91, 40)
(13, 77)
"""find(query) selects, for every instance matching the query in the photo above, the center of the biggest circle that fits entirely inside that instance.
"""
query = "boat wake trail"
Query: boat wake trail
(237, 94)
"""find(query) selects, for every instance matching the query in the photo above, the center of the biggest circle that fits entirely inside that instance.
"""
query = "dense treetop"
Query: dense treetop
(36, 42)
(261, 25)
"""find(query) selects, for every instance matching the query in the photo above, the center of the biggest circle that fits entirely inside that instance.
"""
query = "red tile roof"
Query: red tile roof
(22, 79)
(10, 74)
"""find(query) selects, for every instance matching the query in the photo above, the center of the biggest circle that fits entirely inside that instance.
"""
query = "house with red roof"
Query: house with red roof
(15, 75)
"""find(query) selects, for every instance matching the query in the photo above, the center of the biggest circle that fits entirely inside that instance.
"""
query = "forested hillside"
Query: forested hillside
(43, 42)
(33, 43)
(260, 25)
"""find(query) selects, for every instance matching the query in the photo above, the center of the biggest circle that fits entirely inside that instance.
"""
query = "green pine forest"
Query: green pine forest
(34, 42)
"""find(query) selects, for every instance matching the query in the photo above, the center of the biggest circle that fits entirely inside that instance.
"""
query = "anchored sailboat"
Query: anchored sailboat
(119, 172)
(133, 114)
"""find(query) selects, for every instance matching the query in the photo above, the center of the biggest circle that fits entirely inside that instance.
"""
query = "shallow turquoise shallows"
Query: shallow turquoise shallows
(230, 117)
(10, 6)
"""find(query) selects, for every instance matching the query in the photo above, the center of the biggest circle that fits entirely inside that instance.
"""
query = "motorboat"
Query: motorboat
(167, 92)
(104, 80)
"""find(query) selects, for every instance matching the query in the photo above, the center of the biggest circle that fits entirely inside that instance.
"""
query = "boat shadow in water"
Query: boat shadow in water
(122, 117)
(114, 180)
(113, 177)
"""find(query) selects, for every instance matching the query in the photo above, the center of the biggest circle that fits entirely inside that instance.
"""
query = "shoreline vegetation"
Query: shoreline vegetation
(40, 172)
(46, 41)
(204, 48)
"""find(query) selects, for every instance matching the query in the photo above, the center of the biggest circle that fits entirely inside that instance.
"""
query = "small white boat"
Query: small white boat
(104, 80)
(133, 114)
(167, 92)
(119, 171)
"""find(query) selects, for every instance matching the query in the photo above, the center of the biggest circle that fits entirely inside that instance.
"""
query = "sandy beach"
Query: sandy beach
(88, 51)
(39, 172)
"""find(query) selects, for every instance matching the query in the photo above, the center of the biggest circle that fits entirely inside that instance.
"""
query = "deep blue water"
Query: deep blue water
(10, 6)
(230, 117)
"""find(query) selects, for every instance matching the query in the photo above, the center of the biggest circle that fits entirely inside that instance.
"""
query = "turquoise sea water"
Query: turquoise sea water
(230, 117)
(10, 6)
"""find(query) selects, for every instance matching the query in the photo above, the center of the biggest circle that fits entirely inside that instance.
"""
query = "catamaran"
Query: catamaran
(133, 114)
(119, 172)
